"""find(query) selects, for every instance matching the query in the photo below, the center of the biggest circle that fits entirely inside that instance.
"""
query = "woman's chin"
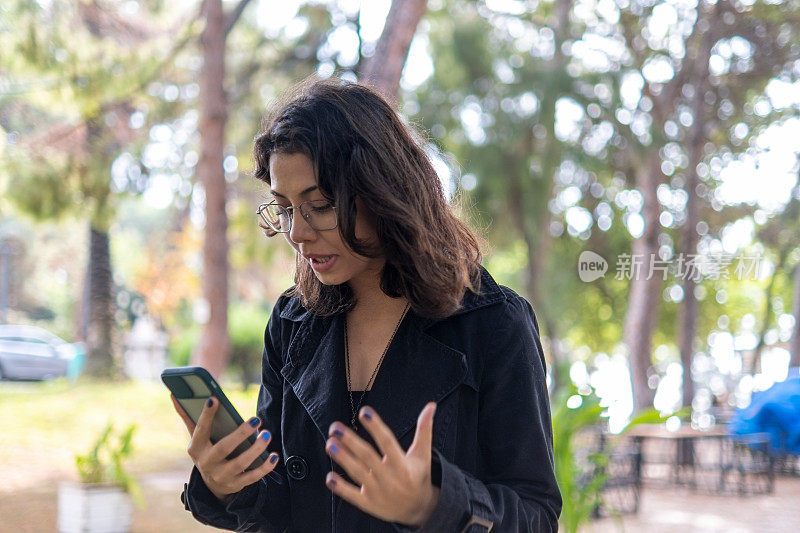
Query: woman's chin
(328, 278)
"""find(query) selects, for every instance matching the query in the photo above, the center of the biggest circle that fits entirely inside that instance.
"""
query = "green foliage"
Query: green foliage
(182, 344)
(41, 190)
(246, 325)
(581, 484)
(491, 105)
(104, 463)
(579, 498)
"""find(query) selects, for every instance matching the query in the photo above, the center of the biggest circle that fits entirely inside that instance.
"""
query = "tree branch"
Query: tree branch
(234, 15)
(384, 68)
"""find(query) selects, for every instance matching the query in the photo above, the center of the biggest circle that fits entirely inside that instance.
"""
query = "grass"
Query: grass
(44, 425)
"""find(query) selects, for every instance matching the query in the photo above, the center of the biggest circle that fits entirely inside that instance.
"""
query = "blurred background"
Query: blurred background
(632, 164)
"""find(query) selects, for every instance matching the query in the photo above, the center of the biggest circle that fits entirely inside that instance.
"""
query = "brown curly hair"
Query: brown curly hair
(361, 148)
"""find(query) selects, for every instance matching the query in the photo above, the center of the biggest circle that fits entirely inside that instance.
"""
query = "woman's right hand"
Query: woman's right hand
(224, 478)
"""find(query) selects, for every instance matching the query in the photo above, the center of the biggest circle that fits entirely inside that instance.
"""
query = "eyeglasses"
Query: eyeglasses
(320, 215)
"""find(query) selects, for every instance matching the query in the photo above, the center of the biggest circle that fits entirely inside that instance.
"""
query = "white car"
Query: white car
(30, 352)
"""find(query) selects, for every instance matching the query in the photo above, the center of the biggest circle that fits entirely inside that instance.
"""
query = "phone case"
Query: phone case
(192, 386)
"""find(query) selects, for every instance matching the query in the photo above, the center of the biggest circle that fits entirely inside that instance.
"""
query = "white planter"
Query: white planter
(93, 508)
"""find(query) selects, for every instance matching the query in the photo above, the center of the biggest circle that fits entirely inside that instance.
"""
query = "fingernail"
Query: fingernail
(254, 421)
(265, 435)
(273, 459)
(210, 402)
(334, 449)
(332, 481)
(338, 432)
(367, 414)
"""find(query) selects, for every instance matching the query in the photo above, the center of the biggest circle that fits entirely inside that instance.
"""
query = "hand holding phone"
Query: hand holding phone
(229, 453)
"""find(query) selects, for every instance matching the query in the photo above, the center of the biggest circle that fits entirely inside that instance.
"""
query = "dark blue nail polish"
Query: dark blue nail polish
(273, 459)
(367, 414)
(210, 402)
(265, 435)
(254, 421)
(338, 432)
(334, 449)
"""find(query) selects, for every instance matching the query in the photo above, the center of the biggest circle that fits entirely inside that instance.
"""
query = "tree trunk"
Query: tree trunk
(538, 250)
(794, 343)
(100, 360)
(384, 68)
(538, 240)
(213, 350)
(688, 311)
(645, 294)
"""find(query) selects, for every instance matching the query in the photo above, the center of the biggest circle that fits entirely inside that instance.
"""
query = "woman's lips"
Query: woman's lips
(323, 263)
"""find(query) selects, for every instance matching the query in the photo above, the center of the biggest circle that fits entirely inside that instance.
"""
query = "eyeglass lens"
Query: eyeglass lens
(319, 214)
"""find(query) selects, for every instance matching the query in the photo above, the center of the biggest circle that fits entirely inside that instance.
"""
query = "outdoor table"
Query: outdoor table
(709, 459)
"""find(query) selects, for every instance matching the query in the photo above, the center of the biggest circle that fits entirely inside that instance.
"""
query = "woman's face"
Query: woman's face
(293, 182)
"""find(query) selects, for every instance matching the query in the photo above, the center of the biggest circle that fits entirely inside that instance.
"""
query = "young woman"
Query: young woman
(402, 388)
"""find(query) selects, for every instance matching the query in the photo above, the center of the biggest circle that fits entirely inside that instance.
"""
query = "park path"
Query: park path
(670, 510)
(32, 509)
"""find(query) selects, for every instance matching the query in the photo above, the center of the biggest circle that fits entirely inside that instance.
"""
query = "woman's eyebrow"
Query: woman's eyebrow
(302, 193)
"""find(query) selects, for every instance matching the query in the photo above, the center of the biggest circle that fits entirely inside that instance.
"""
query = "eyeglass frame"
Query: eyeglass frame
(290, 211)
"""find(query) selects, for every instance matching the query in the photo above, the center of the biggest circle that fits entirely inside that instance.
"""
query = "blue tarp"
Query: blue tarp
(776, 412)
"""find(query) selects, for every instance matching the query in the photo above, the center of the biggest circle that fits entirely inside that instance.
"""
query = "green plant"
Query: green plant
(182, 343)
(581, 485)
(246, 323)
(104, 463)
(579, 498)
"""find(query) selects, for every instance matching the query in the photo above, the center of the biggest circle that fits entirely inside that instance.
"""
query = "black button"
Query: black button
(296, 467)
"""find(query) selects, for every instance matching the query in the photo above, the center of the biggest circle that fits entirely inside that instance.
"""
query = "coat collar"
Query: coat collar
(417, 368)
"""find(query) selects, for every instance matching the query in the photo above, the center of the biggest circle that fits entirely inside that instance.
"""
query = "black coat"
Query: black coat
(492, 441)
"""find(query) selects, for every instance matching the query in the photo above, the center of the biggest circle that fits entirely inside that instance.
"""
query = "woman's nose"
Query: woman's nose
(301, 230)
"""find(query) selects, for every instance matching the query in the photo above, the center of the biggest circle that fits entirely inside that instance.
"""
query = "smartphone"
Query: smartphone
(192, 386)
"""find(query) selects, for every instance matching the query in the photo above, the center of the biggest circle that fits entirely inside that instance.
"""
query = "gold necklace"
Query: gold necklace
(354, 409)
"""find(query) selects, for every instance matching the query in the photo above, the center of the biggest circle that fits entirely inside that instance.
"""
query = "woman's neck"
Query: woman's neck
(371, 300)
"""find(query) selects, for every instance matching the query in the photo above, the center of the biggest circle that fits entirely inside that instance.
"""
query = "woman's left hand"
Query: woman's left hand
(395, 486)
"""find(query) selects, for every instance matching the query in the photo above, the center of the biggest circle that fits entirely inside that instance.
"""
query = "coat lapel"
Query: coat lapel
(417, 369)
(315, 368)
